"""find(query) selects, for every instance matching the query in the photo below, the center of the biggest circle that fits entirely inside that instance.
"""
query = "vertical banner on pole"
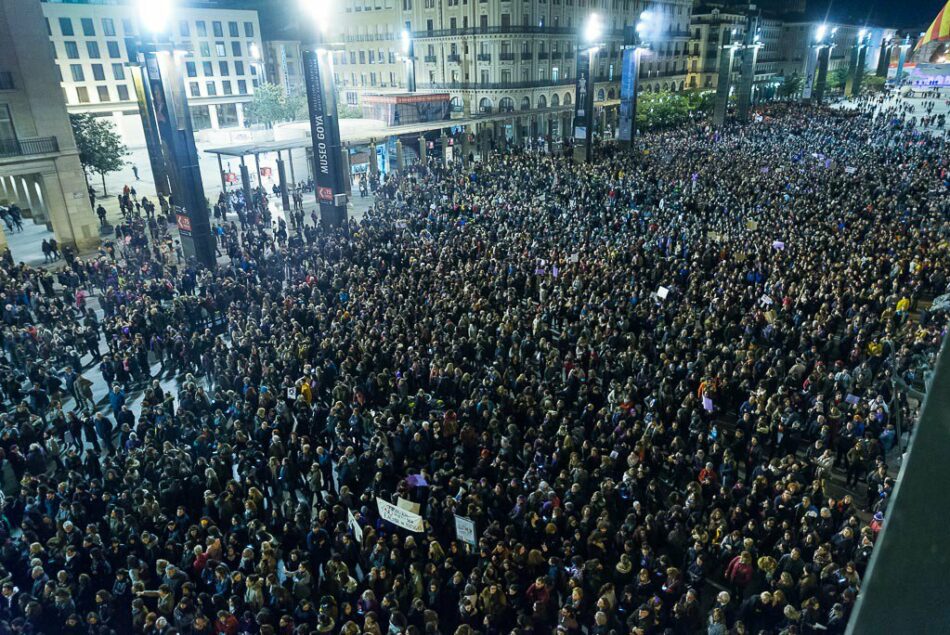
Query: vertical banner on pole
(581, 112)
(284, 191)
(626, 126)
(156, 160)
(811, 62)
(821, 76)
(324, 131)
(723, 85)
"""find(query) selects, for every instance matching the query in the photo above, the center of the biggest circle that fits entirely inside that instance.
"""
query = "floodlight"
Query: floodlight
(155, 14)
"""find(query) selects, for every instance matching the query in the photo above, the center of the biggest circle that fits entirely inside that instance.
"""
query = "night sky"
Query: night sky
(899, 13)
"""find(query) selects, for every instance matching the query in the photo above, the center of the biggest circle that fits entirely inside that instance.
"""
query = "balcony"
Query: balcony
(506, 57)
(556, 55)
(527, 57)
(455, 58)
(483, 57)
(543, 83)
(430, 59)
(543, 55)
(25, 147)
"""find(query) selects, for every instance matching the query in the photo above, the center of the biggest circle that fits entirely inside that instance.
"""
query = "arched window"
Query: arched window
(601, 95)
(526, 103)
(506, 105)
(610, 93)
(555, 101)
(484, 105)
(456, 104)
(568, 100)
(542, 102)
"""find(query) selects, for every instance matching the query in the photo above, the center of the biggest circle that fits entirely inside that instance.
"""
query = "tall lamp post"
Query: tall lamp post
(823, 43)
(852, 86)
(902, 59)
(884, 58)
(324, 122)
(724, 79)
(584, 90)
(171, 117)
(750, 51)
(408, 52)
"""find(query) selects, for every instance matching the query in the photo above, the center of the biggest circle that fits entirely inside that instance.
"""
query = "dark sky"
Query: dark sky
(900, 13)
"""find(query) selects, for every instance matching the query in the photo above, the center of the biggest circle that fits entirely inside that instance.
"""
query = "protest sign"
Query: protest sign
(408, 505)
(398, 516)
(662, 292)
(465, 530)
(355, 526)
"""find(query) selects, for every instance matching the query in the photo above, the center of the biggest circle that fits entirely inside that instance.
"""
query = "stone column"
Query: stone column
(444, 140)
(466, 145)
(64, 191)
(213, 114)
(239, 107)
(347, 168)
(422, 149)
(38, 206)
(399, 159)
(373, 164)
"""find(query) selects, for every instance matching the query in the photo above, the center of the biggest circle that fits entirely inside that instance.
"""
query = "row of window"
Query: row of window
(104, 93)
(88, 26)
(224, 69)
(114, 51)
(616, 5)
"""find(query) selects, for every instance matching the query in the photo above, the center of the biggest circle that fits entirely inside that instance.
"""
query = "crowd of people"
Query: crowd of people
(653, 394)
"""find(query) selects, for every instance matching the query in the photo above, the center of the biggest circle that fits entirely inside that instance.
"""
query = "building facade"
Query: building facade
(715, 26)
(221, 52)
(282, 63)
(798, 39)
(39, 164)
(505, 56)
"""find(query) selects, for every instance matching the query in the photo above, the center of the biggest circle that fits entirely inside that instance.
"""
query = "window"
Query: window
(92, 48)
(123, 92)
(118, 72)
(223, 67)
(82, 94)
(66, 27)
(88, 28)
(108, 27)
(78, 75)
(219, 49)
(239, 68)
(6, 80)
(98, 73)
(226, 87)
(194, 89)
(205, 49)
(242, 87)
(248, 29)
(211, 89)
(127, 27)
(113, 47)
(233, 29)
(191, 69)
(103, 93)
(236, 49)
(202, 28)
(372, 55)
(216, 29)
(72, 51)
(184, 28)
(208, 69)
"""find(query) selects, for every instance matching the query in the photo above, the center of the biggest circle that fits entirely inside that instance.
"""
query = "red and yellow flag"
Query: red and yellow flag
(939, 30)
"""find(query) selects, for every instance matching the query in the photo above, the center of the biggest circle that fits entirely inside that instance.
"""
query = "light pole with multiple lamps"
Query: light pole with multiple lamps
(852, 86)
(584, 90)
(166, 118)
(824, 42)
(328, 170)
(750, 52)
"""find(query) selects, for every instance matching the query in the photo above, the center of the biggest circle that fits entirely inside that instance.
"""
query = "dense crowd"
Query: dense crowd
(660, 387)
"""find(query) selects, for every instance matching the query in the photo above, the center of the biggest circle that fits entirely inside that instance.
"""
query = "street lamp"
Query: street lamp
(410, 60)
(166, 120)
(822, 45)
(584, 88)
(324, 123)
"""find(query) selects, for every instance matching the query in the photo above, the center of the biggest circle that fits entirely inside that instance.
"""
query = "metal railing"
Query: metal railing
(527, 57)
(543, 55)
(522, 29)
(483, 57)
(454, 57)
(544, 83)
(24, 147)
(430, 59)
(506, 57)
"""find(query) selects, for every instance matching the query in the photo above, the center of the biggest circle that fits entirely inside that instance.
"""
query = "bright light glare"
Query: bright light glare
(592, 28)
(821, 32)
(646, 16)
(641, 27)
(317, 11)
(255, 52)
(405, 41)
(155, 14)
(862, 33)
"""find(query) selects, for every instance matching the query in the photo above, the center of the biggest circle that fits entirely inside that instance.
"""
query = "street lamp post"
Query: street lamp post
(884, 58)
(633, 47)
(171, 118)
(584, 90)
(408, 51)
(852, 86)
(824, 47)
(324, 122)
(724, 80)
(750, 51)
(902, 59)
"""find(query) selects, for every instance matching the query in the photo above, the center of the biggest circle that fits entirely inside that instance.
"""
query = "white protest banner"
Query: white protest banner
(779, 245)
(575, 258)
(662, 292)
(766, 300)
(355, 526)
(465, 530)
(292, 393)
(408, 505)
(398, 516)
(850, 170)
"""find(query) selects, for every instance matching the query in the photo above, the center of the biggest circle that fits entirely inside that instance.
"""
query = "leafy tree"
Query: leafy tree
(873, 82)
(665, 109)
(838, 77)
(271, 105)
(791, 86)
(100, 148)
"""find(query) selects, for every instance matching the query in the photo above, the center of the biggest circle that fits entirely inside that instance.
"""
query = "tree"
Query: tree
(791, 86)
(271, 105)
(838, 77)
(667, 110)
(100, 148)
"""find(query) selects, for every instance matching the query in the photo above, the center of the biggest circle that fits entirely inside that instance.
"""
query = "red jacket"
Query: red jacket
(738, 572)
